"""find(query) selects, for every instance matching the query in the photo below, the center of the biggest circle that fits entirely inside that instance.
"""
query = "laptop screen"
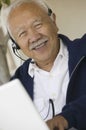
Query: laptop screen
(17, 111)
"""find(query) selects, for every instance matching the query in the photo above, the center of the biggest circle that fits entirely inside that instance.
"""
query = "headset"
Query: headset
(49, 12)
(15, 46)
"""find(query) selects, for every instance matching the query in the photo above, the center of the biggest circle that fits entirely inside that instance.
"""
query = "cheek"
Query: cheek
(50, 30)
(23, 44)
(27, 52)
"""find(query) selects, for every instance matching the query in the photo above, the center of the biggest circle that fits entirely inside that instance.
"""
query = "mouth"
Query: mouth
(38, 44)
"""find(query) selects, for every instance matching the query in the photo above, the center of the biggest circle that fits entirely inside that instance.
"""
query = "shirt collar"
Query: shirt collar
(62, 53)
(63, 50)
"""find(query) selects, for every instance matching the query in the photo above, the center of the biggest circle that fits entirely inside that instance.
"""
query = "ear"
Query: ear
(53, 17)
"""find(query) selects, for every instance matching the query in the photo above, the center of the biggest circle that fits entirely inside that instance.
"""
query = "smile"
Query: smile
(38, 44)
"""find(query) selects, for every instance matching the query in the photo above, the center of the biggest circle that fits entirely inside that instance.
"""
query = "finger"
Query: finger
(49, 125)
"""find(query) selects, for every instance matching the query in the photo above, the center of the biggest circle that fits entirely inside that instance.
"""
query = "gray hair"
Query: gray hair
(6, 11)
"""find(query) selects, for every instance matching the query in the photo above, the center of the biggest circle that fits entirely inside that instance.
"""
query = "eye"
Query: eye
(21, 34)
(38, 25)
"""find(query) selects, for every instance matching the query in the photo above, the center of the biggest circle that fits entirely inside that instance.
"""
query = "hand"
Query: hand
(57, 123)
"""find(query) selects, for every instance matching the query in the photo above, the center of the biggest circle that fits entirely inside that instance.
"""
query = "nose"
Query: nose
(34, 35)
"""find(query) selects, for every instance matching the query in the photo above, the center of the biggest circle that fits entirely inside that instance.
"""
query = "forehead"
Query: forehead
(26, 8)
(26, 11)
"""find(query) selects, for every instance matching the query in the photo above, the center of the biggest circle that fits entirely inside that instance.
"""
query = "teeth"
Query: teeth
(39, 46)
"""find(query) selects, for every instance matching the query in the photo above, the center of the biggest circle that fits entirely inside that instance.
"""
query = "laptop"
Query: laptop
(17, 111)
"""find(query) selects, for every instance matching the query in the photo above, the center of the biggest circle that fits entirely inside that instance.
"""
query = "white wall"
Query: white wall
(71, 16)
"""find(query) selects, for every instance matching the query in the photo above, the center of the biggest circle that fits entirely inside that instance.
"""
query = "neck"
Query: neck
(47, 66)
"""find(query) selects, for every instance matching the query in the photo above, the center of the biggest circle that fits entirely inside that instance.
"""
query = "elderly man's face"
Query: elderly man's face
(34, 31)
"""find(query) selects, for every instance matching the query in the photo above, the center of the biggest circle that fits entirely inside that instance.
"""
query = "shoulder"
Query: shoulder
(77, 42)
(67, 39)
(25, 64)
(80, 40)
(22, 70)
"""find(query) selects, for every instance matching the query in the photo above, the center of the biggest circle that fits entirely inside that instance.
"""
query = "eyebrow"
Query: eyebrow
(18, 29)
(37, 20)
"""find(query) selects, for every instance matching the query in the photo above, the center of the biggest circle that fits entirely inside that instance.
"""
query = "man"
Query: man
(55, 75)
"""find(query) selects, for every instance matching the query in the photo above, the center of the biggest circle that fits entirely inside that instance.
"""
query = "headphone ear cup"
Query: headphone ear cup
(14, 45)
(17, 47)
